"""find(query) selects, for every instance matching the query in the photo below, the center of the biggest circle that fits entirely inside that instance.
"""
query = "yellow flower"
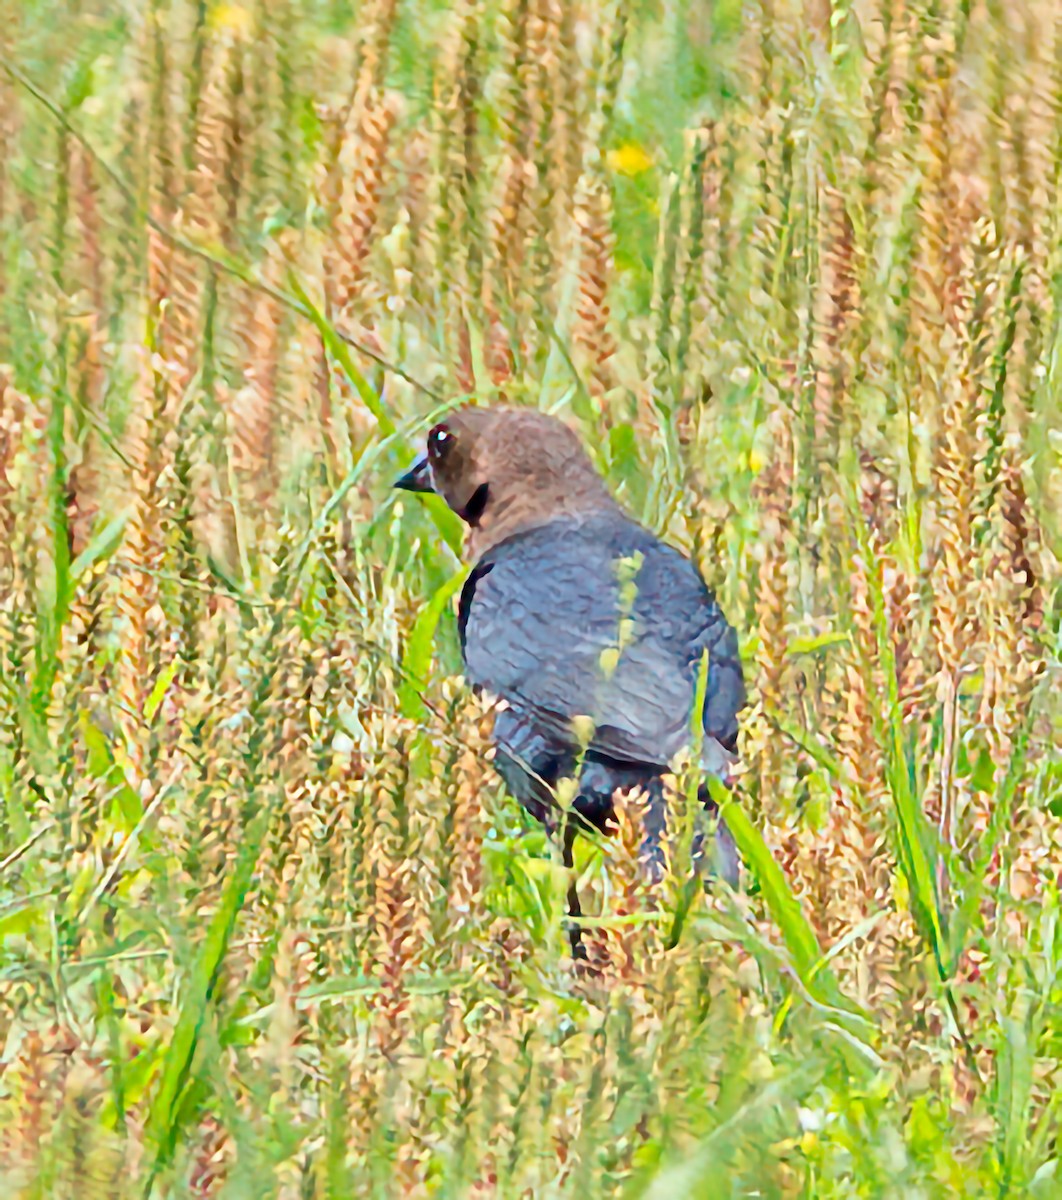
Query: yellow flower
(629, 159)
(233, 18)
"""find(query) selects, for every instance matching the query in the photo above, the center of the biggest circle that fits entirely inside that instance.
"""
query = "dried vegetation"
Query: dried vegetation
(268, 925)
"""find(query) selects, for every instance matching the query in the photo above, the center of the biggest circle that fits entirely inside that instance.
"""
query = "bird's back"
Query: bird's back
(597, 618)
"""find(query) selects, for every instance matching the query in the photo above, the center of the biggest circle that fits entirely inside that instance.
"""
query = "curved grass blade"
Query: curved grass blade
(416, 659)
(340, 351)
(164, 1120)
(806, 955)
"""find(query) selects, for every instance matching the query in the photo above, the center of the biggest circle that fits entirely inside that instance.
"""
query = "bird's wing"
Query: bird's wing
(604, 623)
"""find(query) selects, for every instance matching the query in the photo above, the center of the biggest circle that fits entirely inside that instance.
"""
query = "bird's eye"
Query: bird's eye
(440, 440)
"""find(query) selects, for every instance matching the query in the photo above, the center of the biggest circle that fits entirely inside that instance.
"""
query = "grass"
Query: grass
(269, 925)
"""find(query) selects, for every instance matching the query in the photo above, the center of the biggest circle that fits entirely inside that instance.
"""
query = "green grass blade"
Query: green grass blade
(808, 960)
(164, 1124)
(340, 351)
(416, 659)
(916, 844)
(1013, 1088)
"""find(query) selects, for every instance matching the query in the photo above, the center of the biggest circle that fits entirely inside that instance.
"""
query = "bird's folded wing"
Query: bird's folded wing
(547, 626)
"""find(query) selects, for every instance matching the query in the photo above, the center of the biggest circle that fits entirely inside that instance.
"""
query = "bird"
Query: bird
(588, 630)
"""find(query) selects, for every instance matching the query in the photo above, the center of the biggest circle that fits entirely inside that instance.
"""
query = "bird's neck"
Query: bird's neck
(508, 516)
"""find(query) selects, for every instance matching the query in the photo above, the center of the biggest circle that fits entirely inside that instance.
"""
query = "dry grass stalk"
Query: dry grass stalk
(837, 304)
(858, 748)
(498, 348)
(1010, 621)
(414, 1149)
(665, 269)
(508, 217)
(353, 172)
(210, 197)
(28, 472)
(906, 616)
(255, 416)
(454, 188)
(40, 1072)
(591, 335)
(8, 119)
(237, 168)
(1027, 119)
(887, 118)
(144, 553)
(841, 874)
(83, 492)
(768, 137)
(392, 910)
(377, 21)
(286, 718)
(536, 299)
(504, 221)
(163, 134)
(629, 946)
(210, 1159)
(708, 217)
(696, 193)
(946, 359)
(182, 298)
(503, 270)
(466, 839)
(613, 21)
(865, 688)
(92, 264)
(22, 1146)
(856, 866)
(951, 579)
(416, 213)
(594, 236)
(13, 411)
(362, 165)
(773, 493)
(1020, 539)
(565, 141)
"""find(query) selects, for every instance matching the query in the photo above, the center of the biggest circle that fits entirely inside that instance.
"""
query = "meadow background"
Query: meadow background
(268, 924)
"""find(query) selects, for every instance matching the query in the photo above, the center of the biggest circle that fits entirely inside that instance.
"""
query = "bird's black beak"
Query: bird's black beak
(417, 478)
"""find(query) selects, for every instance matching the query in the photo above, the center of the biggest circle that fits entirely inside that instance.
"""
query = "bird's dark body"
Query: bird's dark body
(541, 618)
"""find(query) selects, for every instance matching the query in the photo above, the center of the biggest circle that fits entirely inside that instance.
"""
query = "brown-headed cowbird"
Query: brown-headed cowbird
(588, 627)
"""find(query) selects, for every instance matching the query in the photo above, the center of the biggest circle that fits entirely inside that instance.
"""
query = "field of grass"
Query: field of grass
(269, 926)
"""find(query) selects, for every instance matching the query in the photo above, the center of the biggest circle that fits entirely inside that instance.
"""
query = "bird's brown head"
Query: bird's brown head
(503, 470)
